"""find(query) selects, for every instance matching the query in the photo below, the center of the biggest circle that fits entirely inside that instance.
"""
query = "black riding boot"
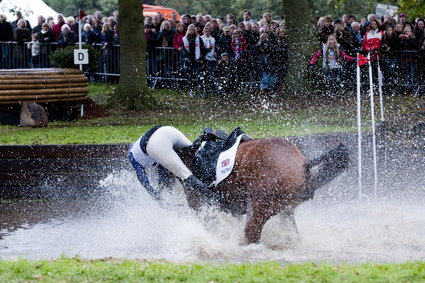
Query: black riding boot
(198, 194)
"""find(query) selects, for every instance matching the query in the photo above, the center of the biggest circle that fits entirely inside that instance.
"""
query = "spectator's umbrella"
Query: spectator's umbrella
(30, 10)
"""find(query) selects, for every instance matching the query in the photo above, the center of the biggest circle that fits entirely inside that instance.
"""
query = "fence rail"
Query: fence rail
(166, 66)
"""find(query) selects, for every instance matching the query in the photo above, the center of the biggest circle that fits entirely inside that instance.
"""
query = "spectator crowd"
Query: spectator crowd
(217, 54)
(397, 45)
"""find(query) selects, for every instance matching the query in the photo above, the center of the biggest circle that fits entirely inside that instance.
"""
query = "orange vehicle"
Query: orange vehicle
(151, 10)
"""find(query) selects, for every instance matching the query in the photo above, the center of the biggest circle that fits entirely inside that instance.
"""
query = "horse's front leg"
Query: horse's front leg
(288, 216)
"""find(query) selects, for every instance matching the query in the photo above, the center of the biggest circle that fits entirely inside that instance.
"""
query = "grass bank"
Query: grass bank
(77, 270)
(256, 116)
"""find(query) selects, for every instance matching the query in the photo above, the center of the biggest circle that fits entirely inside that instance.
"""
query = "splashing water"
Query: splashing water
(126, 223)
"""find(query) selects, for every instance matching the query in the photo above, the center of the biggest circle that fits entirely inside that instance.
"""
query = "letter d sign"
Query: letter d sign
(81, 56)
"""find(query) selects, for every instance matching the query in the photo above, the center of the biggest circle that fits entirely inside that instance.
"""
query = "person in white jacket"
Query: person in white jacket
(34, 46)
(210, 59)
(157, 147)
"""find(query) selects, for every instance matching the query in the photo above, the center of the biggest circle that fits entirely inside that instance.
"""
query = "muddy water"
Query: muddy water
(125, 223)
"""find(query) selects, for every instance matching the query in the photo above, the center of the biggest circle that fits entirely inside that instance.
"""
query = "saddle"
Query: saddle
(213, 161)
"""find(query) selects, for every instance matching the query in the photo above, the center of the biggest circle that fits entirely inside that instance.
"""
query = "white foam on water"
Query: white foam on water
(129, 224)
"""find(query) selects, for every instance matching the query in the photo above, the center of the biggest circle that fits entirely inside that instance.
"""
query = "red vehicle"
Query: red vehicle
(151, 10)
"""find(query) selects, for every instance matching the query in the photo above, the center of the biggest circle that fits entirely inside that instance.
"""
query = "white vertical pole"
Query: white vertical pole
(372, 113)
(79, 38)
(381, 98)
(382, 127)
(359, 132)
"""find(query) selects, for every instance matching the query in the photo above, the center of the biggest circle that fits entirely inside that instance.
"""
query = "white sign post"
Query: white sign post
(81, 57)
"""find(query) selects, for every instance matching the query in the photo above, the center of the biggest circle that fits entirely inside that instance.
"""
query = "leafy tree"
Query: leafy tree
(71, 7)
(132, 91)
(336, 8)
(222, 8)
(413, 8)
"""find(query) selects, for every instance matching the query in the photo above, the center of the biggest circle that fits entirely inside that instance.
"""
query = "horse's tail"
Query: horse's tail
(331, 164)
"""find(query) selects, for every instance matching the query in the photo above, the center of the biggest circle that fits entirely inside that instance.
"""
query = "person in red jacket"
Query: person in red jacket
(57, 28)
(178, 37)
(178, 45)
(332, 63)
(238, 45)
(372, 41)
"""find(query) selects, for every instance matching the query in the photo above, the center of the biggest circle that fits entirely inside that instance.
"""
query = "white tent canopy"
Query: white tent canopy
(30, 10)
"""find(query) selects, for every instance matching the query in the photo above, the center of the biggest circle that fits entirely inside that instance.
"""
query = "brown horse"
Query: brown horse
(271, 176)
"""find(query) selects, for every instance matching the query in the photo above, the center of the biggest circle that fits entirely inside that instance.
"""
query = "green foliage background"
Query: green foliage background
(335, 8)
(64, 57)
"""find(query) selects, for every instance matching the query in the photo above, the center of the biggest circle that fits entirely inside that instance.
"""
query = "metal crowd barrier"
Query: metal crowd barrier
(165, 65)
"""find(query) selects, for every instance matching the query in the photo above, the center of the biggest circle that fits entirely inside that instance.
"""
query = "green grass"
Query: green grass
(78, 270)
(286, 117)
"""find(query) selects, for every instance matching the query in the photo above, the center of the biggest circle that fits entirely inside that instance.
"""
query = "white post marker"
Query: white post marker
(361, 60)
(381, 98)
(359, 130)
(372, 113)
(382, 126)
(79, 39)
(81, 56)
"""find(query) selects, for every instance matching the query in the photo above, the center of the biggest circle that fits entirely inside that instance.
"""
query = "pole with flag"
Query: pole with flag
(361, 60)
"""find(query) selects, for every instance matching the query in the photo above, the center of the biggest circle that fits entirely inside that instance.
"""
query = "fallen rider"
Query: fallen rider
(157, 148)
(211, 157)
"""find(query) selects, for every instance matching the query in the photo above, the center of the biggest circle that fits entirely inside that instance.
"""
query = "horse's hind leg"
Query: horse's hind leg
(255, 221)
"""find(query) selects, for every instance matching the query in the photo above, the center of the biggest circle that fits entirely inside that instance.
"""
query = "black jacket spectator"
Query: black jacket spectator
(89, 37)
(324, 33)
(6, 33)
(150, 36)
(419, 33)
(15, 22)
(251, 38)
(22, 34)
(268, 58)
(97, 29)
(116, 36)
(36, 29)
(224, 43)
(67, 36)
(165, 38)
(45, 36)
(390, 42)
(107, 38)
(39, 25)
(408, 43)
(216, 33)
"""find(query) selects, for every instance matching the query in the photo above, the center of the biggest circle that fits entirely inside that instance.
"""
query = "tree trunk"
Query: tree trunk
(301, 46)
(132, 91)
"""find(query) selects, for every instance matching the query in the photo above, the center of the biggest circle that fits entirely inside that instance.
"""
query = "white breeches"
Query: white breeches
(162, 146)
